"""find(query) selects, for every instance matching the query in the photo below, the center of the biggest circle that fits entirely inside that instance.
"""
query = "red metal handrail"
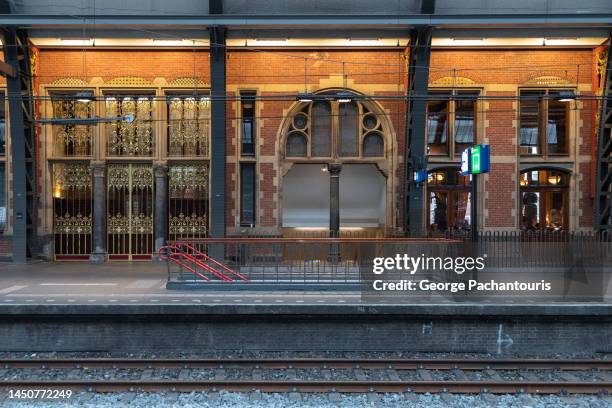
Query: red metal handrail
(208, 258)
(177, 260)
(265, 240)
(206, 267)
(177, 251)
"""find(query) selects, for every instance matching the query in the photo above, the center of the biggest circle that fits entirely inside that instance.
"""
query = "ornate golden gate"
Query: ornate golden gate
(187, 201)
(129, 225)
(72, 210)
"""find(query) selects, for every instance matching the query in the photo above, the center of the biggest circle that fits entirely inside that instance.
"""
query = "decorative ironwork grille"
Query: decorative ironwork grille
(129, 222)
(130, 139)
(188, 201)
(72, 140)
(188, 126)
(72, 204)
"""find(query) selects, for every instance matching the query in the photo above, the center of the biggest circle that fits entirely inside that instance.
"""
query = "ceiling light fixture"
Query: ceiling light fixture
(84, 97)
(364, 41)
(305, 97)
(565, 96)
(467, 40)
(271, 41)
(77, 41)
(344, 97)
(169, 41)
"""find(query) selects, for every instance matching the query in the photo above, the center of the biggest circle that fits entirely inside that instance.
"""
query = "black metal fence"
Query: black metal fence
(307, 260)
(343, 261)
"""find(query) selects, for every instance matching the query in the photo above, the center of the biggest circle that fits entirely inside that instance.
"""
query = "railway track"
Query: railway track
(538, 376)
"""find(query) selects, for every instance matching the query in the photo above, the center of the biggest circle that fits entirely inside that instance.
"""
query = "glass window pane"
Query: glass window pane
(448, 177)
(187, 201)
(248, 145)
(530, 210)
(349, 129)
(529, 118)
(72, 209)
(438, 207)
(449, 199)
(247, 194)
(72, 140)
(373, 145)
(296, 145)
(465, 113)
(2, 197)
(321, 129)
(543, 197)
(437, 125)
(461, 207)
(130, 138)
(188, 125)
(557, 125)
(2, 124)
(248, 123)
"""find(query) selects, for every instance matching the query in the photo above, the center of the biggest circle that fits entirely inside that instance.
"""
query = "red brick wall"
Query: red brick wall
(256, 70)
(108, 64)
(517, 67)
(6, 247)
(512, 66)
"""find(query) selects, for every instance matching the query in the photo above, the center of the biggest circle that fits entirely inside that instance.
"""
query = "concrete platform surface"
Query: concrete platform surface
(140, 288)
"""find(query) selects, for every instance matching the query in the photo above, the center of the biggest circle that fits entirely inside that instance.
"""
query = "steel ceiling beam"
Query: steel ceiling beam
(312, 20)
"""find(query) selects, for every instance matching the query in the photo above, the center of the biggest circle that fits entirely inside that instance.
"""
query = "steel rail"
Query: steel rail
(348, 386)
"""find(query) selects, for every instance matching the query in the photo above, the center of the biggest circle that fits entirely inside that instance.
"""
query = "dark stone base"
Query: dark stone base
(98, 257)
(173, 332)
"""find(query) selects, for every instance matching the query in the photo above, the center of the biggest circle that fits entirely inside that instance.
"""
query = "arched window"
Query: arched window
(331, 128)
(544, 200)
(449, 200)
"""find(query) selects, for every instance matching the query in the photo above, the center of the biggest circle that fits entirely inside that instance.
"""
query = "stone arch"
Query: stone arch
(387, 165)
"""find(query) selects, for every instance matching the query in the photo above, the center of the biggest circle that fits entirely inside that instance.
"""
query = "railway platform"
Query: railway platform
(70, 306)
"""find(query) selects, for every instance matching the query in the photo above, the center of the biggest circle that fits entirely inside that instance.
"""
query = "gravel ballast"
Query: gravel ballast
(256, 399)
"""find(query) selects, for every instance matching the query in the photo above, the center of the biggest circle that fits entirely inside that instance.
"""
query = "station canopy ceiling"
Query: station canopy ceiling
(314, 23)
(312, 7)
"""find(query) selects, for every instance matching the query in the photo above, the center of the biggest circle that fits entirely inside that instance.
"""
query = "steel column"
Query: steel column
(603, 192)
(160, 172)
(99, 250)
(334, 170)
(415, 155)
(218, 137)
(334, 199)
(23, 147)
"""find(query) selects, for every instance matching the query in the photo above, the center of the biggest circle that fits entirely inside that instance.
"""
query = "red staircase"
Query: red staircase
(198, 263)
